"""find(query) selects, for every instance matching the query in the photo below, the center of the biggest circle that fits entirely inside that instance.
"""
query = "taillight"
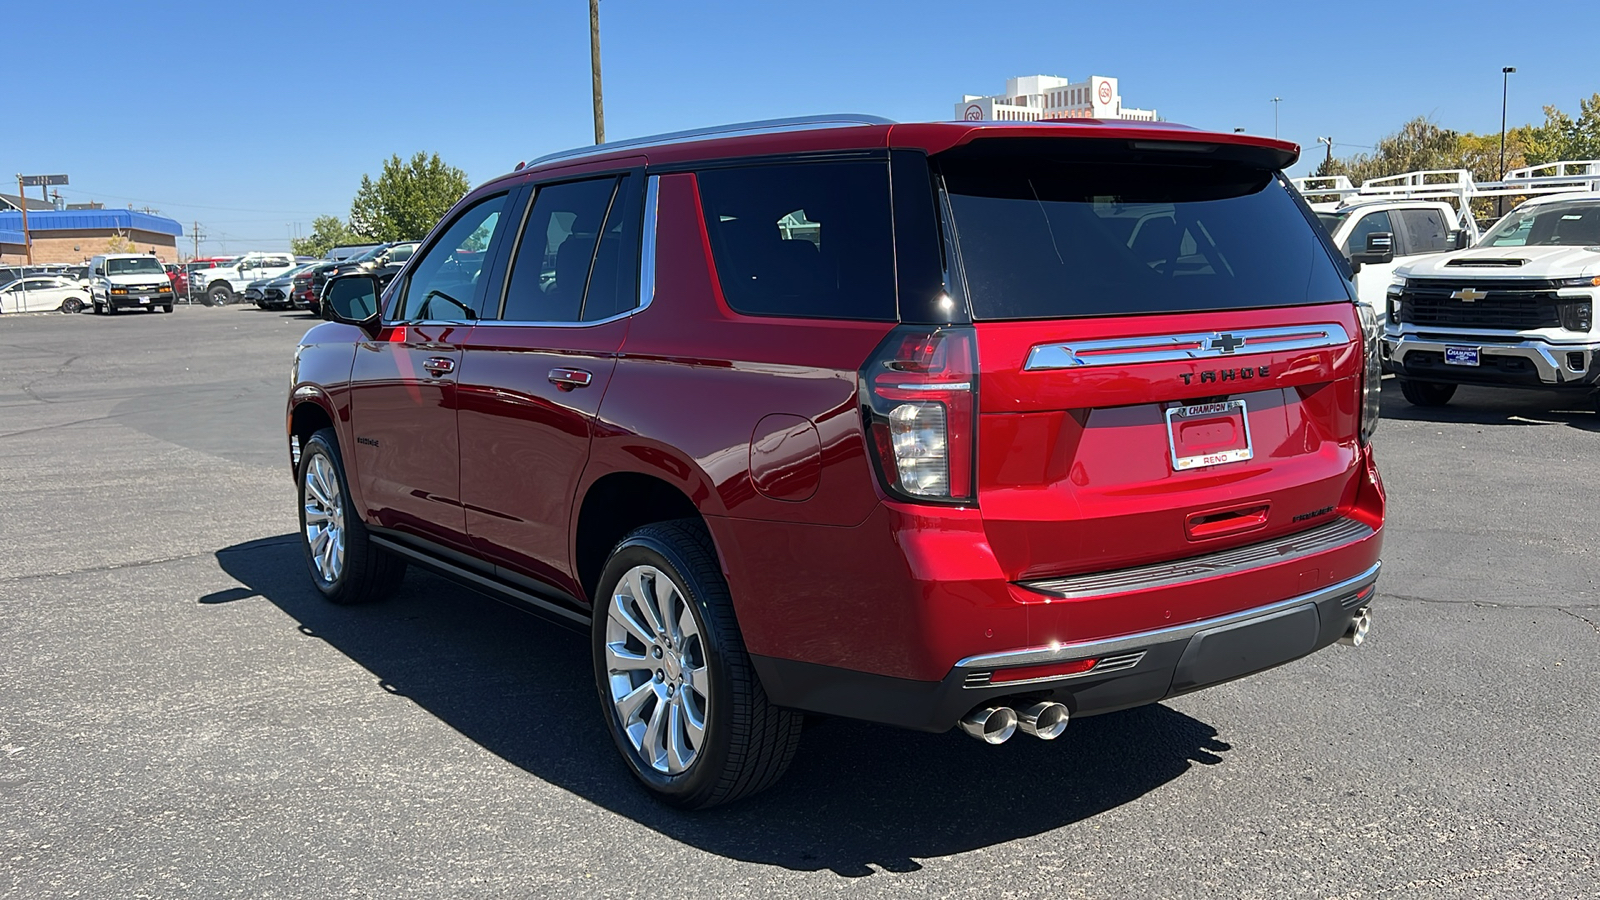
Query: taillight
(920, 402)
(1372, 372)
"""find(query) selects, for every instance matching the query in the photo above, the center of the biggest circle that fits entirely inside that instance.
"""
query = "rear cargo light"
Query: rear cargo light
(919, 394)
(1372, 371)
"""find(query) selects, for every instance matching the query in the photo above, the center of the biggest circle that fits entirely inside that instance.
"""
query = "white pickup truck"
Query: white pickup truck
(1516, 310)
(223, 284)
(1383, 235)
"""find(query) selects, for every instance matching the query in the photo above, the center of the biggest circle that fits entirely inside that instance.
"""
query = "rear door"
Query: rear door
(1169, 358)
(403, 395)
(532, 379)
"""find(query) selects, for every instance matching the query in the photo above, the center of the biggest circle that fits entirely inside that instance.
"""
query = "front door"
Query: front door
(531, 382)
(403, 395)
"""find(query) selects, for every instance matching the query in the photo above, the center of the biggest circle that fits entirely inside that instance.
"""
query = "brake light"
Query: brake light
(919, 402)
(1372, 374)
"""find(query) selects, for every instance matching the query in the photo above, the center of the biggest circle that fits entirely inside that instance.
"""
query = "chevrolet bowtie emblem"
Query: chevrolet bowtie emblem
(1225, 343)
(1468, 295)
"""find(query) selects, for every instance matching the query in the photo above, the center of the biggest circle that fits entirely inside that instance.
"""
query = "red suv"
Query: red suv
(976, 424)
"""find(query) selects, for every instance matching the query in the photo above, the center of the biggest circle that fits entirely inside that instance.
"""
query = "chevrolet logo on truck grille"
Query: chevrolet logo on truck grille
(1468, 295)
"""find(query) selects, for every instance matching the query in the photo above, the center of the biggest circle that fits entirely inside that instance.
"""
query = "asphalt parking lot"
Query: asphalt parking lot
(182, 716)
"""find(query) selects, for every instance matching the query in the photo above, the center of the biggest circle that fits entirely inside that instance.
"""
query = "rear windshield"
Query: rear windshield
(1053, 238)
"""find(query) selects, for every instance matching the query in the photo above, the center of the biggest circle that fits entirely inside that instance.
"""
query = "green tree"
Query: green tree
(327, 232)
(1563, 137)
(407, 198)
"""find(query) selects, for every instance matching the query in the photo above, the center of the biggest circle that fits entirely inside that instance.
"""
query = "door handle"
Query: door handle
(567, 379)
(439, 365)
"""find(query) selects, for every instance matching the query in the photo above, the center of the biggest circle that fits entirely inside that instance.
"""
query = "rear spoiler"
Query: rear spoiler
(1082, 134)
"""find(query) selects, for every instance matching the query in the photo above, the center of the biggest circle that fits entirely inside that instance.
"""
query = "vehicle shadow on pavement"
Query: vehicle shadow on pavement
(1490, 406)
(859, 796)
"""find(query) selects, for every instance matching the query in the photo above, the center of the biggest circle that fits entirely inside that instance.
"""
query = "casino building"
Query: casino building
(1035, 98)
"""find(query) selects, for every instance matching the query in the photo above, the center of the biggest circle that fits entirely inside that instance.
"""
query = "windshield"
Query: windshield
(1051, 238)
(137, 265)
(1331, 221)
(1569, 224)
(370, 254)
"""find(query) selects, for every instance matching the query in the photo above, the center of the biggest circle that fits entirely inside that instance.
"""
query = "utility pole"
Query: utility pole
(1329, 142)
(27, 243)
(1275, 102)
(594, 64)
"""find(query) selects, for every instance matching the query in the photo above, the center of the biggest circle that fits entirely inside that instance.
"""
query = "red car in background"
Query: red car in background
(988, 425)
(179, 275)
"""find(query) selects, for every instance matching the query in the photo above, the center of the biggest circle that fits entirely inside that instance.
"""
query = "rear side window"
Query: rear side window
(808, 240)
(553, 260)
(1426, 231)
(1042, 238)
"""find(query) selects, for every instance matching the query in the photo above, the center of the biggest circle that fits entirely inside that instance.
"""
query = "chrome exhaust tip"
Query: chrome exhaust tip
(991, 724)
(1045, 721)
(1359, 626)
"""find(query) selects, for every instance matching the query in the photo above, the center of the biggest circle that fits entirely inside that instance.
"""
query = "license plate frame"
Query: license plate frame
(1180, 453)
(1455, 355)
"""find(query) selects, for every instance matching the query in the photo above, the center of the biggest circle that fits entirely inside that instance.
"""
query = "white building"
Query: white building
(1041, 97)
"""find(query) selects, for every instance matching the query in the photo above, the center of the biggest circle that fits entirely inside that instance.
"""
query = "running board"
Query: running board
(561, 615)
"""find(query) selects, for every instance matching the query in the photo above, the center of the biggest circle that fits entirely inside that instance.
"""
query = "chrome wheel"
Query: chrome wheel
(655, 661)
(324, 518)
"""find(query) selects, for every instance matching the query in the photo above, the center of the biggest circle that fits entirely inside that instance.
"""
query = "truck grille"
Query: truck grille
(1518, 305)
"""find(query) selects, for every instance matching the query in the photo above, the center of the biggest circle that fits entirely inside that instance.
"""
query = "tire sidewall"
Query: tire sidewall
(704, 773)
(320, 445)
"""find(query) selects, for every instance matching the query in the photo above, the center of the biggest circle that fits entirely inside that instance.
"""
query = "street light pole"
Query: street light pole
(1505, 86)
(594, 61)
(1275, 102)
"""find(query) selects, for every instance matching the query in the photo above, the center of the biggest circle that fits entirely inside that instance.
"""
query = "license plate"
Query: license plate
(144, 299)
(1461, 356)
(1208, 434)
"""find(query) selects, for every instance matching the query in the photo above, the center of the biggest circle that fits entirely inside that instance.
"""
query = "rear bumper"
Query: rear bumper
(1129, 670)
(1531, 363)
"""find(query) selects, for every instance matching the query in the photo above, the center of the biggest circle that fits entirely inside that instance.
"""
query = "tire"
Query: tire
(111, 308)
(72, 306)
(166, 307)
(1426, 393)
(746, 743)
(344, 565)
(219, 295)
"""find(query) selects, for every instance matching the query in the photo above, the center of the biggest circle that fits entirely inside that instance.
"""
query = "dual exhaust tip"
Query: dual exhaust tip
(996, 724)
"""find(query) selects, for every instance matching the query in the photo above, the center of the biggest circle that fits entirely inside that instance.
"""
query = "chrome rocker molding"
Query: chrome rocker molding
(1181, 347)
(1345, 590)
(1547, 359)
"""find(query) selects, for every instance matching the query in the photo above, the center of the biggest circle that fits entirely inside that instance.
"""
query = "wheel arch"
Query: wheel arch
(310, 413)
(614, 505)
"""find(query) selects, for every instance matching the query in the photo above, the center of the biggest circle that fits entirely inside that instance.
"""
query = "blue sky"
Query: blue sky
(255, 118)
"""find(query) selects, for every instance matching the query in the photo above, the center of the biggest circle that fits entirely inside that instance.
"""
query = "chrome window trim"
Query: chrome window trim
(1182, 347)
(647, 272)
(740, 129)
(1066, 652)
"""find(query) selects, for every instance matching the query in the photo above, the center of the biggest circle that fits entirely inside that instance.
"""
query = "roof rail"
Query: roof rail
(741, 129)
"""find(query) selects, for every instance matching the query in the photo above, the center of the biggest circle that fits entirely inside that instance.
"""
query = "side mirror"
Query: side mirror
(1460, 240)
(353, 300)
(98, 271)
(1379, 249)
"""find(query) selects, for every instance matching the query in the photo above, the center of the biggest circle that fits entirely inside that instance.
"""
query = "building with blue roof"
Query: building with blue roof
(74, 235)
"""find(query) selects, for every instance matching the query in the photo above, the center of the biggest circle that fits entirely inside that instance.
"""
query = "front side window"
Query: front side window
(806, 240)
(1369, 224)
(1054, 237)
(1569, 224)
(557, 251)
(443, 286)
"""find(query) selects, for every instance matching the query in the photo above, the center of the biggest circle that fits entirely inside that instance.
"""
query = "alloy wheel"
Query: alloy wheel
(655, 661)
(324, 518)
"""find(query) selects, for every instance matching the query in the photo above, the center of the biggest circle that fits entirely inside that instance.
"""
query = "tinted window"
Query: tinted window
(1427, 230)
(614, 281)
(811, 240)
(1371, 223)
(557, 250)
(443, 285)
(1565, 224)
(1047, 238)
